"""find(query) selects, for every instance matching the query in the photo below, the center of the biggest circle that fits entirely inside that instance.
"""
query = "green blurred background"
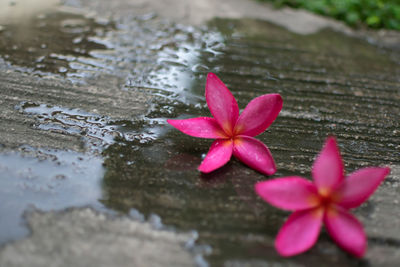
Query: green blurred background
(360, 13)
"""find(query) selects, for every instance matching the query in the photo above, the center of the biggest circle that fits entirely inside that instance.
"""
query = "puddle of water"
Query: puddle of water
(97, 130)
(51, 180)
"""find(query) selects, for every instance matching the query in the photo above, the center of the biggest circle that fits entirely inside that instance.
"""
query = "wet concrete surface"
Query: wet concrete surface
(85, 96)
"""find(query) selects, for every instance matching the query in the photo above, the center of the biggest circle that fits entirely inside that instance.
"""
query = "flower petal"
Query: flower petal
(254, 154)
(300, 232)
(258, 115)
(360, 185)
(221, 103)
(219, 154)
(346, 231)
(327, 170)
(199, 127)
(289, 193)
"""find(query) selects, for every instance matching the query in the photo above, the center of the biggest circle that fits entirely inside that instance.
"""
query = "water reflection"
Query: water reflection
(47, 180)
(97, 130)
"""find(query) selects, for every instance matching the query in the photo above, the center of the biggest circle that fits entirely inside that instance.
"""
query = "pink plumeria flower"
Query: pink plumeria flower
(233, 133)
(326, 200)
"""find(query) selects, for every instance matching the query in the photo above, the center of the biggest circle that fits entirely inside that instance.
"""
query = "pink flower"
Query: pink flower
(327, 199)
(233, 133)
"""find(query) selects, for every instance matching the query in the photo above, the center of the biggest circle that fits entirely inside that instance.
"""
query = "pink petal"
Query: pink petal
(259, 114)
(221, 103)
(327, 170)
(360, 185)
(300, 232)
(346, 231)
(254, 154)
(218, 155)
(199, 127)
(289, 193)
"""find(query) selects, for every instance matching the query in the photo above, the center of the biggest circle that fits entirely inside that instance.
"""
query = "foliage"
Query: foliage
(373, 13)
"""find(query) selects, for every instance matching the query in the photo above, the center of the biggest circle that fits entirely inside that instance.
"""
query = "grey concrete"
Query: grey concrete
(83, 237)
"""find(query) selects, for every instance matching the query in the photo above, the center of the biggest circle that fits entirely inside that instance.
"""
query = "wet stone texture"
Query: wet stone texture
(85, 89)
